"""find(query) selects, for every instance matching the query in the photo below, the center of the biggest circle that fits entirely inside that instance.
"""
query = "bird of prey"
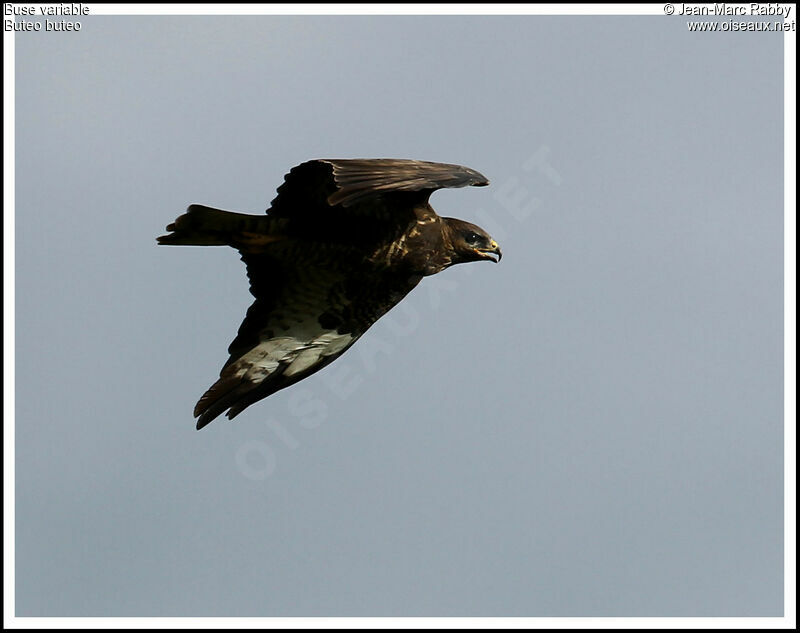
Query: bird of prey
(342, 243)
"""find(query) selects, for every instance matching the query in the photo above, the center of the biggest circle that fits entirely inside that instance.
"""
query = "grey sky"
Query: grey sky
(592, 427)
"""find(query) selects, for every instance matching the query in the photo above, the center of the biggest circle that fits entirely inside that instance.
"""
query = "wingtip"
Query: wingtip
(204, 416)
(208, 417)
(202, 420)
(479, 180)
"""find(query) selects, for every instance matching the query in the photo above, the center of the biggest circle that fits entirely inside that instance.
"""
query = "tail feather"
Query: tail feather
(206, 226)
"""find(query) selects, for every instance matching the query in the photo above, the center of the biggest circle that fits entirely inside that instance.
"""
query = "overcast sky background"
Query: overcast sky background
(593, 427)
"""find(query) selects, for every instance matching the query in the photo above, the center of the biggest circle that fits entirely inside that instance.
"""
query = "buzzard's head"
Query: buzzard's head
(471, 243)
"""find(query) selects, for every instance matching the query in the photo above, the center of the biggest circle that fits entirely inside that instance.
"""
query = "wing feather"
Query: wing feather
(315, 186)
(310, 308)
(357, 179)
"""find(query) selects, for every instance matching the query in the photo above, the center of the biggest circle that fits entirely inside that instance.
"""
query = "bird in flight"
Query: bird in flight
(342, 243)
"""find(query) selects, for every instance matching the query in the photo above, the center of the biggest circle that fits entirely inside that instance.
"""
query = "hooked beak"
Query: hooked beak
(488, 253)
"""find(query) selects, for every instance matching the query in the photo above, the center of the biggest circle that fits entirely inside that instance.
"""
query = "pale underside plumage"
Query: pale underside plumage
(342, 243)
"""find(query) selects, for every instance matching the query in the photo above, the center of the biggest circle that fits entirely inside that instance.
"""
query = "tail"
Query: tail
(205, 226)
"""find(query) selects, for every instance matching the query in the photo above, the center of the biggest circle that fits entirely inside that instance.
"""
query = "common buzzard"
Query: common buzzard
(342, 243)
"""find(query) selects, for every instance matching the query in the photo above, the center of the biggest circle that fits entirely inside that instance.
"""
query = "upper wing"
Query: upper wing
(310, 307)
(357, 179)
(363, 187)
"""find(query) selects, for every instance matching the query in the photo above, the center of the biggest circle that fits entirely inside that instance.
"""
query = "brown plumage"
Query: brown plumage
(343, 242)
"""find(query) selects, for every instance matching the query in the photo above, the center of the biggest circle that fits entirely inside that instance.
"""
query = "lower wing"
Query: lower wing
(311, 306)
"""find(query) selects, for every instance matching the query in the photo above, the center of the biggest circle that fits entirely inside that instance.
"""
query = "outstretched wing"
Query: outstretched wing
(357, 179)
(310, 307)
(347, 191)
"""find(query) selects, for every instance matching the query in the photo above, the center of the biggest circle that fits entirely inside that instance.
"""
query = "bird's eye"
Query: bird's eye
(473, 238)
